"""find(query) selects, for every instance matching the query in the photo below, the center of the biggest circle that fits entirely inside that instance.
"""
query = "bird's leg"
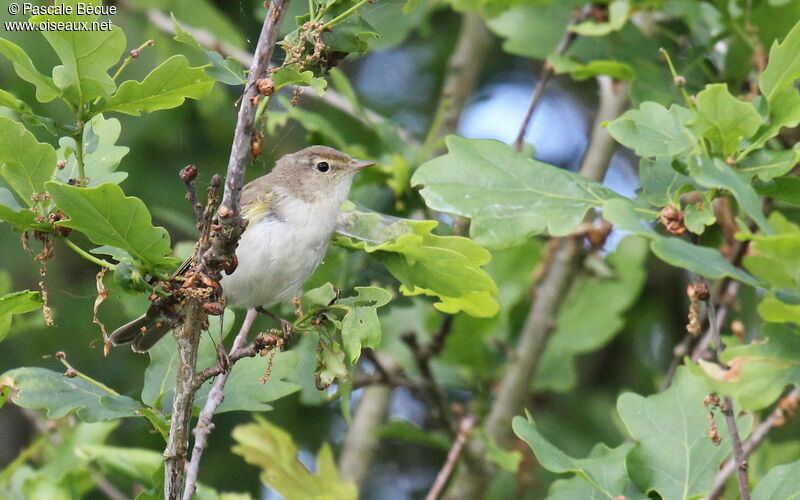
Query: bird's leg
(223, 360)
(286, 326)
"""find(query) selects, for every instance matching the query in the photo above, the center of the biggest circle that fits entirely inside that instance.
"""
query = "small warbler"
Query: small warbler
(291, 214)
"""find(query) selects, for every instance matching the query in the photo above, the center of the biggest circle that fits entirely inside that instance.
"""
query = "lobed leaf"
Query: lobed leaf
(508, 197)
(724, 120)
(166, 87)
(653, 130)
(270, 448)
(604, 469)
(86, 56)
(673, 454)
(107, 217)
(46, 89)
(446, 267)
(25, 163)
(39, 388)
(17, 303)
(101, 156)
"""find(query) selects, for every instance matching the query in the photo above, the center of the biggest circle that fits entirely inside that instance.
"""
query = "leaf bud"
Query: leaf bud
(265, 86)
(188, 173)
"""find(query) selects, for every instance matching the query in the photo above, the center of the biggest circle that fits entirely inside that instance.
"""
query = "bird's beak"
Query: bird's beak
(358, 164)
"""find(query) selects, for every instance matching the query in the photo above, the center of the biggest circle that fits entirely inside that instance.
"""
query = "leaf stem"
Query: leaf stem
(675, 75)
(86, 255)
(344, 15)
(126, 62)
(262, 107)
(87, 378)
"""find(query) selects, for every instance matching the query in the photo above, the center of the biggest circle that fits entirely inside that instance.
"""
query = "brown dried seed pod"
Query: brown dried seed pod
(188, 173)
(672, 219)
(265, 86)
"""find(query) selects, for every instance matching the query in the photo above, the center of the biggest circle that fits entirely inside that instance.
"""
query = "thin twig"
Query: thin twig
(544, 78)
(188, 175)
(776, 419)
(464, 427)
(204, 425)
(727, 406)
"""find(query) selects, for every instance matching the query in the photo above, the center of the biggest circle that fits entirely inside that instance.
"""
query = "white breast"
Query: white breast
(277, 256)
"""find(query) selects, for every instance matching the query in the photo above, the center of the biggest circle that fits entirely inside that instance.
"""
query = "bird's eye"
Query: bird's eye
(323, 166)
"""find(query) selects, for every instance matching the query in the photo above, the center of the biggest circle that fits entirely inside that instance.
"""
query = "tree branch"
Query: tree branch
(556, 281)
(785, 407)
(466, 425)
(204, 426)
(215, 252)
(361, 442)
(544, 78)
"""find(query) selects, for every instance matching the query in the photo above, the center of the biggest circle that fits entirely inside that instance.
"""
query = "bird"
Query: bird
(291, 214)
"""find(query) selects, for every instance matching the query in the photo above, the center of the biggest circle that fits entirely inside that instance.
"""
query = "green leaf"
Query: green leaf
(673, 454)
(766, 164)
(226, 70)
(360, 326)
(715, 173)
(760, 371)
(86, 56)
(108, 217)
(25, 163)
(270, 448)
(330, 364)
(20, 218)
(724, 120)
(604, 468)
(779, 483)
(582, 71)
(25, 112)
(244, 389)
(533, 29)
(704, 261)
(46, 90)
(774, 258)
(39, 388)
(618, 12)
(661, 184)
(784, 65)
(17, 303)
(406, 431)
(783, 188)
(447, 267)
(508, 197)
(291, 75)
(136, 464)
(165, 87)
(653, 130)
(699, 215)
(101, 156)
(584, 323)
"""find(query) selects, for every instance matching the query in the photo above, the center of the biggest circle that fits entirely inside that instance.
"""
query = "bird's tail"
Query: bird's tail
(142, 333)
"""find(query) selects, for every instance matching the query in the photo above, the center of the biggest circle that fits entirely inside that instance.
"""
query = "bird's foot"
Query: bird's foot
(286, 326)
(223, 360)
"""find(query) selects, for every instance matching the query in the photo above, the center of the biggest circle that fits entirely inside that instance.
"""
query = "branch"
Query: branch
(461, 74)
(188, 174)
(215, 251)
(422, 357)
(777, 418)
(555, 282)
(178, 440)
(544, 78)
(361, 443)
(727, 406)
(204, 426)
(452, 458)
